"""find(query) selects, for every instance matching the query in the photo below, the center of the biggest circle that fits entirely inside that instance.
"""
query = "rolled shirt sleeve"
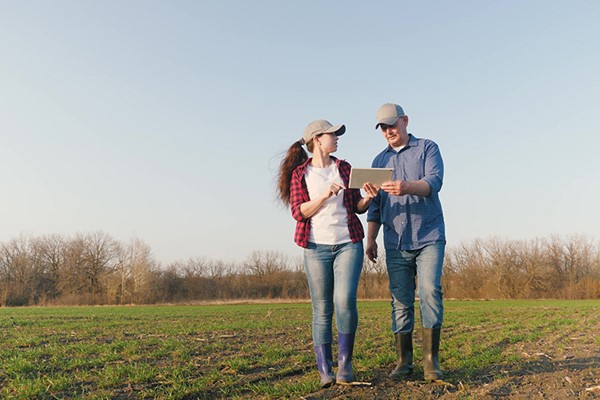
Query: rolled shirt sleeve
(434, 167)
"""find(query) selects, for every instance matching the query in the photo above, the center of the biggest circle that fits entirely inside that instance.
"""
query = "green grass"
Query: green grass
(251, 351)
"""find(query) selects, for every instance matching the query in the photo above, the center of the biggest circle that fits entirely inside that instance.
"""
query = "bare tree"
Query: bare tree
(90, 264)
(264, 263)
(537, 277)
(18, 272)
(468, 264)
(52, 253)
(136, 269)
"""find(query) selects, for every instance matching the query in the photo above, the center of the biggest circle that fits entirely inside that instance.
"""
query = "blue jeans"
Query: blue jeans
(425, 265)
(333, 272)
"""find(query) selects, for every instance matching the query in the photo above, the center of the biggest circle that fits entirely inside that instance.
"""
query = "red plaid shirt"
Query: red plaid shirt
(299, 195)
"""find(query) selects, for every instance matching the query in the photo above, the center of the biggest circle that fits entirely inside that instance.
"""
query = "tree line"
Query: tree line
(94, 269)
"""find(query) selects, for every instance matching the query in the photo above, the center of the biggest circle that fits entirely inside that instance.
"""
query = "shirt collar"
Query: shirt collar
(412, 141)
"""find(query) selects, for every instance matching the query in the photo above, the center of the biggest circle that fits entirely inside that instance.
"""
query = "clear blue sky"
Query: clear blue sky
(166, 120)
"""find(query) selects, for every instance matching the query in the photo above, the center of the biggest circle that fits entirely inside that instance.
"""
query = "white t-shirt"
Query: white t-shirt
(330, 224)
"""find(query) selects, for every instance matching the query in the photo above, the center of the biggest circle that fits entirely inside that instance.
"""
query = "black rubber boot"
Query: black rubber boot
(325, 364)
(431, 348)
(404, 349)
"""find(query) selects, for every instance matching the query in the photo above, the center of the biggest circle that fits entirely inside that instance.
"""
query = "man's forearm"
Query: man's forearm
(372, 230)
(419, 188)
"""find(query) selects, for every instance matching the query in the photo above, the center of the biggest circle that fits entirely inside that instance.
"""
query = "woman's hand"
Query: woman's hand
(334, 189)
(370, 190)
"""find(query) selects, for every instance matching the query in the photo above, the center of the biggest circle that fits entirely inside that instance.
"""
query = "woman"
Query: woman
(331, 234)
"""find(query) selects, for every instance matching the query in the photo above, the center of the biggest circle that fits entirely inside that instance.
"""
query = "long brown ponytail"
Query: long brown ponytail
(295, 156)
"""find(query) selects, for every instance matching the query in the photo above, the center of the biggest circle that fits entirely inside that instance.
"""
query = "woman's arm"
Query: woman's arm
(371, 192)
(310, 208)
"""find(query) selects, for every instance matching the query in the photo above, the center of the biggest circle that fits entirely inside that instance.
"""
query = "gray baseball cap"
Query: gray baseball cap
(321, 126)
(388, 114)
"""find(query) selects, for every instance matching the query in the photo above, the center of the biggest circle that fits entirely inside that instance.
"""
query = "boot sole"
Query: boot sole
(400, 375)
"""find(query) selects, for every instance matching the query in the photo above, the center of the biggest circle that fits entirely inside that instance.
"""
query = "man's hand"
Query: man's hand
(401, 188)
(371, 250)
(397, 188)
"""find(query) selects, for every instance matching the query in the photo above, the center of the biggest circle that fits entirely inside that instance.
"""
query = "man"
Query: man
(413, 235)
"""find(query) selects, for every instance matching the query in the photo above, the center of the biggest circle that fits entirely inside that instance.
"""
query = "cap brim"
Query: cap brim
(387, 121)
(339, 130)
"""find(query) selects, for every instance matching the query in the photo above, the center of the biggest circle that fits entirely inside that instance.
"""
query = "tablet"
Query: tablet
(376, 176)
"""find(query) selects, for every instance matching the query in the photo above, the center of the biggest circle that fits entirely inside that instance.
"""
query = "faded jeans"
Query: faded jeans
(403, 267)
(333, 272)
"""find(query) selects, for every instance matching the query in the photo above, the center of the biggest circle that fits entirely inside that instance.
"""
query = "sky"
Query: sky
(167, 120)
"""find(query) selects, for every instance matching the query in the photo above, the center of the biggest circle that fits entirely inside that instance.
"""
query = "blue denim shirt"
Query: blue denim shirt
(411, 222)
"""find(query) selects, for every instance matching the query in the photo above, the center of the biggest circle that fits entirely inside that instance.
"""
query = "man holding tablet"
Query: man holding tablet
(414, 239)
